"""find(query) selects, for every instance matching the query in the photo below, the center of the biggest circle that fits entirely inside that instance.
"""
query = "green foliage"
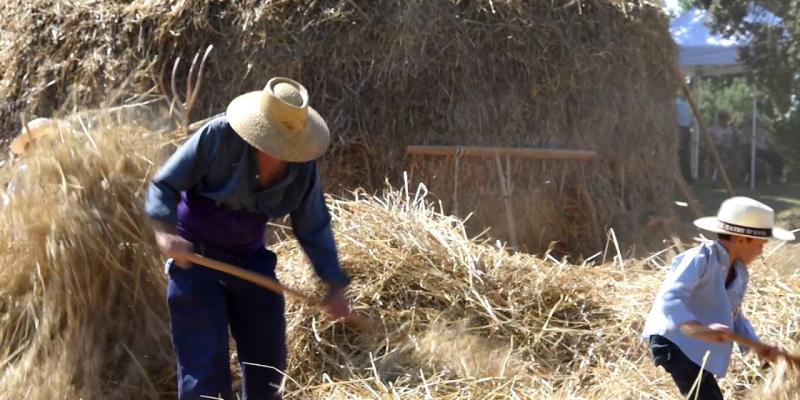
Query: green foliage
(685, 5)
(730, 94)
(773, 61)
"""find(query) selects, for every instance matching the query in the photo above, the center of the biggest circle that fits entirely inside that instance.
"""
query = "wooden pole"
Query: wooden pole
(275, 286)
(512, 229)
(522, 152)
(757, 346)
(250, 276)
(703, 129)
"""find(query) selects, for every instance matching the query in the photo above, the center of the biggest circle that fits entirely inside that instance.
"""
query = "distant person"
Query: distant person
(727, 143)
(684, 116)
(765, 151)
(704, 290)
(31, 132)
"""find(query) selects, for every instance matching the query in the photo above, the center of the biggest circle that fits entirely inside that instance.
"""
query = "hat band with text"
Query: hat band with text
(744, 230)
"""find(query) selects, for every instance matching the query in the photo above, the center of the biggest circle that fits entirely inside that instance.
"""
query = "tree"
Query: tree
(772, 58)
(685, 5)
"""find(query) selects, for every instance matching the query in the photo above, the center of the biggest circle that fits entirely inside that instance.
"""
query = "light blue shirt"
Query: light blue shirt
(694, 290)
(683, 112)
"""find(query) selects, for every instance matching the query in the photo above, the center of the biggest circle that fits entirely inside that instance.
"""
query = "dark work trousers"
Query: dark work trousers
(684, 151)
(202, 304)
(775, 162)
(684, 372)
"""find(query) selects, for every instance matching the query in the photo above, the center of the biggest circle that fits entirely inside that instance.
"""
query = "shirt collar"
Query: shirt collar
(722, 254)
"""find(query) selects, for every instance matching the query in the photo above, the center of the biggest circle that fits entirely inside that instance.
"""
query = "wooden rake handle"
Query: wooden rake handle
(273, 285)
(757, 346)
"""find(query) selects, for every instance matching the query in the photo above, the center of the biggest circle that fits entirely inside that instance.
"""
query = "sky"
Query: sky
(672, 6)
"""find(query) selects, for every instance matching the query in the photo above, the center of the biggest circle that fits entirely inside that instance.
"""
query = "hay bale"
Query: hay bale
(588, 75)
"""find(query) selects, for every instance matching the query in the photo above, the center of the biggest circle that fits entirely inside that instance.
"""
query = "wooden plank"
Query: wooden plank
(479, 151)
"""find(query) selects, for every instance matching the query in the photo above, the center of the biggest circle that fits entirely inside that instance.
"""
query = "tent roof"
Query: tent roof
(703, 52)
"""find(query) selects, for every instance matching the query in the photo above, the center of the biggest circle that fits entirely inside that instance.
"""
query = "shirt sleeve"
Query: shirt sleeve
(679, 286)
(185, 168)
(311, 221)
(742, 327)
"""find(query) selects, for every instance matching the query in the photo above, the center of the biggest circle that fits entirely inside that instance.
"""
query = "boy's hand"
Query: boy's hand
(716, 333)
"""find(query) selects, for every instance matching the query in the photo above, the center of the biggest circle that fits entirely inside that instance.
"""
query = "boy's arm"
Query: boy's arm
(677, 289)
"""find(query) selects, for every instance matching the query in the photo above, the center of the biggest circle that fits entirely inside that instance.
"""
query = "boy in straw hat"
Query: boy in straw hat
(215, 196)
(704, 290)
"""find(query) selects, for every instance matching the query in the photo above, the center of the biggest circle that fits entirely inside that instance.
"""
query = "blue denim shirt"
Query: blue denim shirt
(217, 164)
(695, 290)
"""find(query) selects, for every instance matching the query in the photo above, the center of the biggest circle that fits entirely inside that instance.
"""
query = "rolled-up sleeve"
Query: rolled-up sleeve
(182, 170)
(743, 327)
(679, 287)
(311, 221)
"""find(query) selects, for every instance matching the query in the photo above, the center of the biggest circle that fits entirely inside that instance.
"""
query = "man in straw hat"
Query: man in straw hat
(215, 196)
(31, 132)
(704, 291)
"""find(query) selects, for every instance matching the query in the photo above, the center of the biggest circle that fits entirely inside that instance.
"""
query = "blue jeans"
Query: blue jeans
(683, 371)
(203, 303)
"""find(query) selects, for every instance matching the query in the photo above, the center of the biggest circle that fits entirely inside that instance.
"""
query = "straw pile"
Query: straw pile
(458, 318)
(553, 74)
(83, 316)
(81, 292)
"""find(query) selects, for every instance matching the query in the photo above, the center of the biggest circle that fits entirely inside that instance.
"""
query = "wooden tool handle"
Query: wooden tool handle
(275, 286)
(757, 346)
(250, 276)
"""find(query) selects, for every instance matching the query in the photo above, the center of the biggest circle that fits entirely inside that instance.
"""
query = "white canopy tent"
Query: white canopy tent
(703, 53)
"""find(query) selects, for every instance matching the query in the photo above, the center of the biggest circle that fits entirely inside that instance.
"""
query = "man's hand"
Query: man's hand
(335, 301)
(172, 244)
(716, 333)
(770, 354)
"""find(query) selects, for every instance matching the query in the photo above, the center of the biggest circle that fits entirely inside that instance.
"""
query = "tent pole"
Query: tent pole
(753, 144)
(694, 141)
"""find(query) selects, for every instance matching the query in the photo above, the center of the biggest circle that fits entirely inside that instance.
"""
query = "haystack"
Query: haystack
(82, 295)
(552, 74)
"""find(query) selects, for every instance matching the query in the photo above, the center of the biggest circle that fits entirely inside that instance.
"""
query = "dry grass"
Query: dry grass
(591, 75)
(453, 317)
(81, 292)
(464, 319)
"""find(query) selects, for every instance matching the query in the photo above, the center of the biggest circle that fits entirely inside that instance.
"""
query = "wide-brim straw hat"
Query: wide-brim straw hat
(31, 131)
(279, 121)
(743, 216)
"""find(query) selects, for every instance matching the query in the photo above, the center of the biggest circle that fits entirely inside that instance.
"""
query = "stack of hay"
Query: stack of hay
(553, 74)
